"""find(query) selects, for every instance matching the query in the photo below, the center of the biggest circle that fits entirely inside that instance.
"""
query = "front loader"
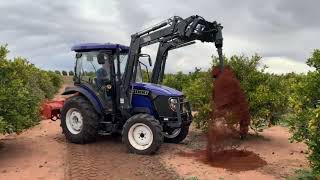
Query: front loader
(109, 95)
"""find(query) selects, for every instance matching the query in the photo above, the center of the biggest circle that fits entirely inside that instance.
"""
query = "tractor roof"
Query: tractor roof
(98, 46)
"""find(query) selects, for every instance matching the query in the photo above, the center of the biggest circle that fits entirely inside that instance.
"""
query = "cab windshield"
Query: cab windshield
(123, 63)
(88, 69)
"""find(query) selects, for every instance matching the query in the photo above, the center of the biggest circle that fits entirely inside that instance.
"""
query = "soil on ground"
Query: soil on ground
(43, 153)
(268, 155)
(231, 159)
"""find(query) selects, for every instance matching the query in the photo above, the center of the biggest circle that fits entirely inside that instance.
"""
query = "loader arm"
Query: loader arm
(173, 33)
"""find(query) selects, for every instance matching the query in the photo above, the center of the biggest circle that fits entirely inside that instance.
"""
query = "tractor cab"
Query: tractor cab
(90, 70)
(98, 71)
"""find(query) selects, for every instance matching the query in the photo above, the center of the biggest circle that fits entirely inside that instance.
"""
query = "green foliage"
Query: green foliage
(305, 125)
(305, 121)
(55, 79)
(65, 73)
(199, 89)
(303, 175)
(314, 60)
(197, 86)
(177, 81)
(57, 72)
(314, 141)
(266, 93)
(71, 73)
(202, 116)
(2, 124)
(145, 76)
(22, 88)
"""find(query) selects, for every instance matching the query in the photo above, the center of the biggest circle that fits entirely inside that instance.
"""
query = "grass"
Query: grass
(303, 174)
(188, 178)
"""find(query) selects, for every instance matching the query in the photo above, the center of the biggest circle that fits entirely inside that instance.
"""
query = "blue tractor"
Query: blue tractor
(112, 94)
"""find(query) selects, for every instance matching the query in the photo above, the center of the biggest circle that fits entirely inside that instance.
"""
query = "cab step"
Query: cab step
(107, 128)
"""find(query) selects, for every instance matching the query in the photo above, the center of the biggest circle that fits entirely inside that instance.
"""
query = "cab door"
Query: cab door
(96, 75)
(106, 79)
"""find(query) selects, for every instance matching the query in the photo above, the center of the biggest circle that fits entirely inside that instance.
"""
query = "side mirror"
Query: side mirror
(101, 59)
(149, 58)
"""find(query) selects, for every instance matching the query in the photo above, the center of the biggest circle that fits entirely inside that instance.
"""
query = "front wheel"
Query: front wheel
(142, 134)
(176, 135)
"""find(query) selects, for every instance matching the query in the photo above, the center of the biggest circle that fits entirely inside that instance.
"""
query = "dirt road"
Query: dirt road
(43, 153)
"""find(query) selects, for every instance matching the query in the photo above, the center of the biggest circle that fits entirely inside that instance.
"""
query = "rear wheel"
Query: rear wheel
(142, 134)
(176, 135)
(79, 120)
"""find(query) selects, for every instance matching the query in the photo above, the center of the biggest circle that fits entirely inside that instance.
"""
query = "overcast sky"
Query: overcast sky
(283, 32)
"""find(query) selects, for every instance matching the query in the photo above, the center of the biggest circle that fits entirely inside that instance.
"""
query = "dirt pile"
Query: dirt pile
(230, 110)
(232, 159)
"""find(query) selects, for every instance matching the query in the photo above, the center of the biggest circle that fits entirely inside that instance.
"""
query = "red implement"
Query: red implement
(51, 109)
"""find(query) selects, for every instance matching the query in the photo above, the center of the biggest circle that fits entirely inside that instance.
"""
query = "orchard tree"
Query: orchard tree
(22, 89)
(304, 100)
(71, 73)
(177, 81)
(64, 73)
(314, 60)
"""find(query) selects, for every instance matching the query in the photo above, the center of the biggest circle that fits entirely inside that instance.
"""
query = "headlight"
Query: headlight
(173, 104)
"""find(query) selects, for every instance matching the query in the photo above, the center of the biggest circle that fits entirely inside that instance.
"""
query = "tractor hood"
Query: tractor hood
(157, 89)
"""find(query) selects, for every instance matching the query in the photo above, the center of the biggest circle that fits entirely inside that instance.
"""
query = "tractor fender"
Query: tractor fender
(94, 99)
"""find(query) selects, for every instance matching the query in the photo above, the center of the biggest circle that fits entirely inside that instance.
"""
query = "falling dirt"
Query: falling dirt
(229, 99)
(230, 108)
(232, 160)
